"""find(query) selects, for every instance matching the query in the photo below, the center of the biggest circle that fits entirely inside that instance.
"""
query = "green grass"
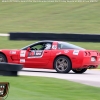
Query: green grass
(83, 17)
(39, 88)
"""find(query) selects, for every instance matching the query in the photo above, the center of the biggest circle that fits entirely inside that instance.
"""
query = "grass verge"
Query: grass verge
(73, 17)
(39, 88)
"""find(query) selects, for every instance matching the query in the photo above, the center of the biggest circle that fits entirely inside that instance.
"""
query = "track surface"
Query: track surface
(90, 77)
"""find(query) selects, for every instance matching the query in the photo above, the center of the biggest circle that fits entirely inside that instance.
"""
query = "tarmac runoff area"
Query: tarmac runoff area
(90, 77)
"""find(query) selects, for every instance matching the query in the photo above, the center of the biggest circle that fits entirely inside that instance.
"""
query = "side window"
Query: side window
(42, 46)
(62, 46)
(59, 46)
(39, 46)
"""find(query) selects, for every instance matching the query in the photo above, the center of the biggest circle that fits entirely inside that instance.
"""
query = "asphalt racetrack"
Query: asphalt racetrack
(90, 77)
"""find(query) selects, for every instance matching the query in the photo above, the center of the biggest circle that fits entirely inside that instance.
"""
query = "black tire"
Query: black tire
(64, 64)
(3, 58)
(79, 71)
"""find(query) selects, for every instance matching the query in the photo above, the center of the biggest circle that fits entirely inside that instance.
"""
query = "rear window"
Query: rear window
(65, 45)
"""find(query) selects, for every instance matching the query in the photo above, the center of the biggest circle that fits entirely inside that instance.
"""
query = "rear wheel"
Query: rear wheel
(3, 58)
(62, 64)
(79, 70)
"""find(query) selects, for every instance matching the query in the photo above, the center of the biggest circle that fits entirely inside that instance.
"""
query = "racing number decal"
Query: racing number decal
(75, 52)
(37, 53)
(54, 47)
(22, 53)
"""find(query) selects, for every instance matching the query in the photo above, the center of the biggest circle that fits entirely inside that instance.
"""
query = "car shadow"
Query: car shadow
(52, 72)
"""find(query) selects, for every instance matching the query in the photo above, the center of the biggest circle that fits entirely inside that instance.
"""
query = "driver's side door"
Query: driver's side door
(36, 57)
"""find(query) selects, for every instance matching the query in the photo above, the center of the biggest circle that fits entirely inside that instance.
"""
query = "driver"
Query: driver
(47, 46)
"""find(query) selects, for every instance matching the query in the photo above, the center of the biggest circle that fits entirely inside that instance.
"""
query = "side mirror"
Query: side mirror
(28, 49)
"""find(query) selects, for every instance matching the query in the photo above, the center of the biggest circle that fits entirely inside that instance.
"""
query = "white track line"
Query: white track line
(1, 34)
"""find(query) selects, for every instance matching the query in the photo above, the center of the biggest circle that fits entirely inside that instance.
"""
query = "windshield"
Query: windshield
(65, 45)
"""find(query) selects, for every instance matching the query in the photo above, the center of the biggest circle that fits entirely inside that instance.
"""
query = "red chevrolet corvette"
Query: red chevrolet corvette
(58, 55)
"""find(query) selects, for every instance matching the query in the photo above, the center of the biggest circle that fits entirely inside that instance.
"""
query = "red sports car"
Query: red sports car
(58, 55)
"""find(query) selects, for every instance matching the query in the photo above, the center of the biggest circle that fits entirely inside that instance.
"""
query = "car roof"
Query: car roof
(46, 41)
(38, 42)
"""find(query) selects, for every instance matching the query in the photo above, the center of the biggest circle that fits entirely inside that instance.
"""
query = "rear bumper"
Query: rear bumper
(87, 63)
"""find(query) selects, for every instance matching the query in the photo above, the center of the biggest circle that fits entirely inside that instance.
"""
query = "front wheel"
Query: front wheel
(3, 58)
(62, 64)
(79, 70)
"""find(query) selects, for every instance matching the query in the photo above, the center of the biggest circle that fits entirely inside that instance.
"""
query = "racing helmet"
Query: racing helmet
(47, 46)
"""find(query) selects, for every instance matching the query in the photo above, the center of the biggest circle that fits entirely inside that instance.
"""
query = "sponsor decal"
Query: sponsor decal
(75, 52)
(54, 47)
(22, 53)
(58, 53)
(12, 52)
(38, 54)
(22, 60)
(66, 51)
(31, 54)
(35, 54)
